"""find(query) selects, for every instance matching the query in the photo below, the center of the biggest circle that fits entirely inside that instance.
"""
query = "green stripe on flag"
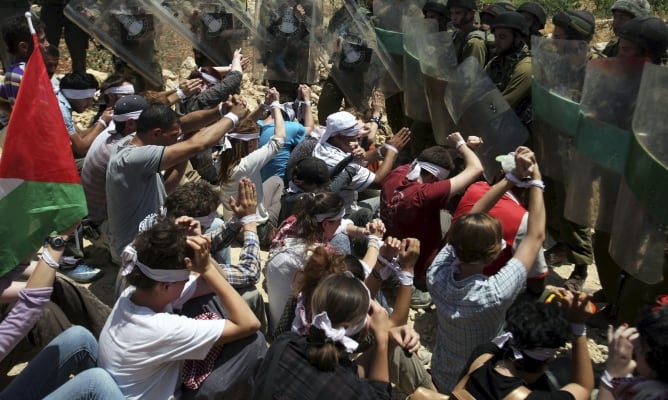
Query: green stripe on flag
(32, 211)
(646, 177)
(605, 144)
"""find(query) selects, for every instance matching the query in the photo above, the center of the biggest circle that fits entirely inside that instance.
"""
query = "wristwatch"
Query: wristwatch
(56, 242)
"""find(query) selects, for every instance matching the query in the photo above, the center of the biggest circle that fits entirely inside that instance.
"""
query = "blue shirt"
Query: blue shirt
(294, 134)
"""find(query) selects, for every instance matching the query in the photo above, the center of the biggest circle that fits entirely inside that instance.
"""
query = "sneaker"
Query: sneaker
(420, 299)
(82, 273)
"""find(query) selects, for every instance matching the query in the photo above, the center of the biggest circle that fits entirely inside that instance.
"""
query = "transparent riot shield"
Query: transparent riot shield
(438, 64)
(559, 69)
(602, 140)
(127, 29)
(479, 109)
(359, 63)
(286, 33)
(214, 27)
(415, 101)
(639, 235)
(387, 23)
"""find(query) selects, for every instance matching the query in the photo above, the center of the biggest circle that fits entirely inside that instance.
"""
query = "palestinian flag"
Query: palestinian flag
(40, 190)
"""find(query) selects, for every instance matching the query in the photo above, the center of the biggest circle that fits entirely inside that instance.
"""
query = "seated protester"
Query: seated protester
(406, 372)
(241, 157)
(111, 90)
(318, 365)
(36, 318)
(144, 345)
(645, 37)
(294, 134)
(311, 175)
(200, 200)
(341, 140)
(513, 364)
(94, 171)
(637, 366)
(419, 191)
(76, 93)
(513, 217)
(215, 86)
(470, 306)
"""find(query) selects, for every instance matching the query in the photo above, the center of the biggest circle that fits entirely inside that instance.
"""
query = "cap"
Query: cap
(637, 8)
(311, 170)
(535, 9)
(511, 20)
(340, 123)
(130, 103)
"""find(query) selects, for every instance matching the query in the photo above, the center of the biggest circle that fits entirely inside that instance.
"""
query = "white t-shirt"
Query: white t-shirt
(144, 350)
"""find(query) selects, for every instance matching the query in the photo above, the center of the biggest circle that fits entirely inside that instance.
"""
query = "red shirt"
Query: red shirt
(412, 209)
(507, 210)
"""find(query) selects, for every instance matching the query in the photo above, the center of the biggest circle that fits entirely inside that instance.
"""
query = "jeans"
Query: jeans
(71, 352)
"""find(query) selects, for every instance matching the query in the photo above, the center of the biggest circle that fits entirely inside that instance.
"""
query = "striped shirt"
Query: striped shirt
(471, 312)
(94, 174)
(10, 88)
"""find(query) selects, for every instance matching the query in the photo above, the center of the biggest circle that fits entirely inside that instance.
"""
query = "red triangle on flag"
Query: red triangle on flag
(37, 146)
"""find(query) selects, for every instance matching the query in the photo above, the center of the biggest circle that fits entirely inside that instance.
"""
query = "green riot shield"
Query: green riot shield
(479, 109)
(214, 27)
(126, 28)
(602, 140)
(438, 64)
(415, 101)
(286, 32)
(360, 63)
(559, 69)
(388, 16)
(639, 235)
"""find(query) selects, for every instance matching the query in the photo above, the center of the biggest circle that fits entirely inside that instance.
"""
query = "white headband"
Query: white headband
(417, 166)
(125, 88)
(539, 353)
(340, 335)
(127, 116)
(209, 78)
(78, 94)
(129, 260)
(331, 215)
(246, 137)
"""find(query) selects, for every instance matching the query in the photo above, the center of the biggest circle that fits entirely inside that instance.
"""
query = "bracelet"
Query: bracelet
(101, 121)
(537, 183)
(460, 144)
(48, 258)
(373, 244)
(514, 180)
(579, 329)
(306, 102)
(274, 104)
(380, 153)
(232, 116)
(180, 93)
(391, 148)
(247, 219)
(376, 120)
(606, 380)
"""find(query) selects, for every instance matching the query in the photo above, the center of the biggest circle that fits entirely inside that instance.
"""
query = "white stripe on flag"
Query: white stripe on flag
(7, 185)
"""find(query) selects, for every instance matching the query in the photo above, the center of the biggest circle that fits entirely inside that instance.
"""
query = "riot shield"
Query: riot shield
(438, 64)
(286, 32)
(638, 239)
(415, 101)
(558, 69)
(479, 109)
(602, 140)
(214, 27)
(126, 28)
(359, 63)
(387, 23)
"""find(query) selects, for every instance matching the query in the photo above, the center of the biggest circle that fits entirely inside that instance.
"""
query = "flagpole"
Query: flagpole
(28, 16)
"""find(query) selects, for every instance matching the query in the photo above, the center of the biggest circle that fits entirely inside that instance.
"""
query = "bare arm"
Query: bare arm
(399, 141)
(197, 120)
(380, 324)
(528, 248)
(305, 94)
(473, 166)
(81, 140)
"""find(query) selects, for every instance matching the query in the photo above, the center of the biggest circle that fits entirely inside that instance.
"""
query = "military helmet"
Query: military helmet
(536, 10)
(437, 6)
(497, 8)
(580, 24)
(511, 20)
(467, 4)
(650, 33)
(637, 8)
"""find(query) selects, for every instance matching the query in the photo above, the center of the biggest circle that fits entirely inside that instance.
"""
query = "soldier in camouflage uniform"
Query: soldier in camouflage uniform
(644, 37)
(469, 41)
(574, 242)
(510, 69)
(536, 16)
(624, 11)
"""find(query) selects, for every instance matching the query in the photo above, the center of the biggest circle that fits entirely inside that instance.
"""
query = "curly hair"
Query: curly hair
(476, 238)
(162, 246)
(533, 325)
(194, 199)
(653, 330)
(308, 206)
